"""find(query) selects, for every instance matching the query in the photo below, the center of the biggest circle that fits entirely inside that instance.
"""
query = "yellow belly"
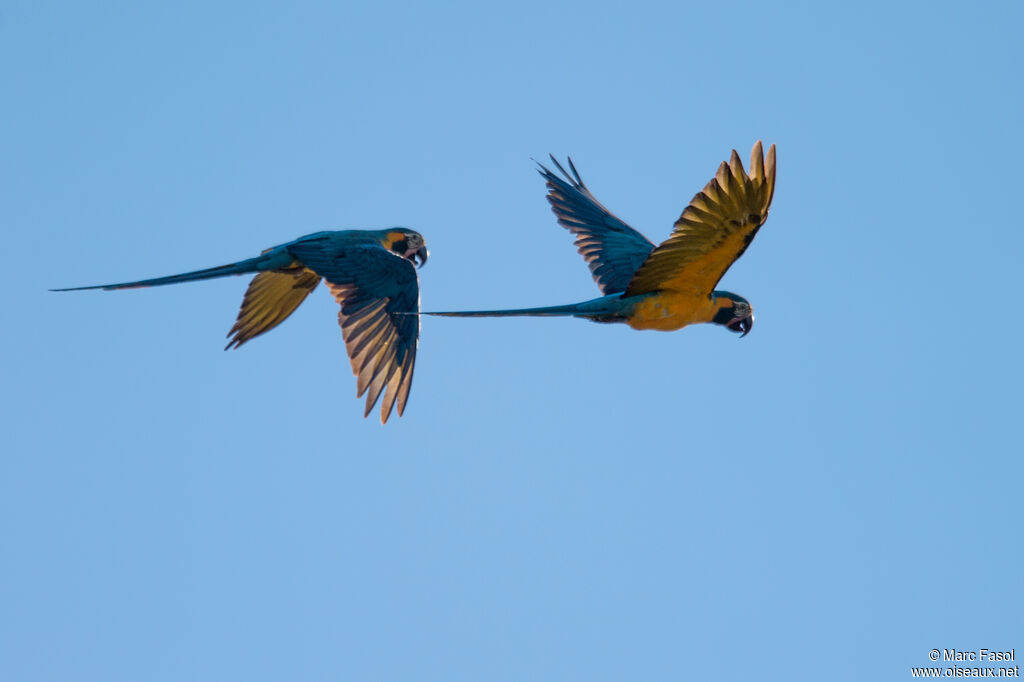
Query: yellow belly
(671, 310)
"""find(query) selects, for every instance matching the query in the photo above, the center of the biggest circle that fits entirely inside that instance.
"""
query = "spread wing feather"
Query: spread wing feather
(271, 297)
(370, 284)
(612, 249)
(714, 230)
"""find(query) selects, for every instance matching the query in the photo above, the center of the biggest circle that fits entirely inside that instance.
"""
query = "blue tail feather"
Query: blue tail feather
(606, 309)
(271, 260)
(549, 311)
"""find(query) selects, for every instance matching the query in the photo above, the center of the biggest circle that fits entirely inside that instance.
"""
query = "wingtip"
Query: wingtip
(757, 162)
(770, 172)
(736, 167)
(576, 173)
(574, 178)
(388, 404)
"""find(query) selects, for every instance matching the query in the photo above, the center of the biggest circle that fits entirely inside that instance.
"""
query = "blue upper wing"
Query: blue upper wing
(613, 250)
(370, 283)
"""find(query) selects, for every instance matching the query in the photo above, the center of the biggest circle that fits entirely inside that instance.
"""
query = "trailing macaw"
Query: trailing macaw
(672, 285)
(371, 274)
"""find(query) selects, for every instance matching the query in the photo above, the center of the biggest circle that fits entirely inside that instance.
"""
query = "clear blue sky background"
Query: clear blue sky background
(829, 498)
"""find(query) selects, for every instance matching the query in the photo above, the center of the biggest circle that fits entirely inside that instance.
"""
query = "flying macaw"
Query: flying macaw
(371, 274)
(672, 285)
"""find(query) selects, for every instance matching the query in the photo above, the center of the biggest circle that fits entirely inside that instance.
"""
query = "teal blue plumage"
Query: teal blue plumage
(371, 274)
(613, 250)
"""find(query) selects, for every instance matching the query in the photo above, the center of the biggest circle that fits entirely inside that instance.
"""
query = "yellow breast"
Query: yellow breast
(671, 310)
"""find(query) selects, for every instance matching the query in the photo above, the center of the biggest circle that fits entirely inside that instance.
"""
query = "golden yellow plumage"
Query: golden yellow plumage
(668, 311)
(271, 297)
(713, 231)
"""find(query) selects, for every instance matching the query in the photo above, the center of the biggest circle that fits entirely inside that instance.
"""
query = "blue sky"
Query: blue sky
(829, 498)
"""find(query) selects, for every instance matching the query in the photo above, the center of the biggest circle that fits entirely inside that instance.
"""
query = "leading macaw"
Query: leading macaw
(672, 285)
(371, 274)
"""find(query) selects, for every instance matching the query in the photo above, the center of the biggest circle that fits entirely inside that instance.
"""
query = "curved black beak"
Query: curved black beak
(422, 253)
(742, 324)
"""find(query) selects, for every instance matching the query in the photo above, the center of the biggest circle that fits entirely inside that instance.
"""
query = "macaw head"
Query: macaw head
(407, 244)
(734, 312)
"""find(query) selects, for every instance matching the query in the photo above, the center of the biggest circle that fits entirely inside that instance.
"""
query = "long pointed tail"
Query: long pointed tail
(267, 261)
(573, 310)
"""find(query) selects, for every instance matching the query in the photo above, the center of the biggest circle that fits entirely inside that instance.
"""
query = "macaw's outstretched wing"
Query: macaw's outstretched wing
(370, 283)
(713, 231)
(271, 297)
(612, 249)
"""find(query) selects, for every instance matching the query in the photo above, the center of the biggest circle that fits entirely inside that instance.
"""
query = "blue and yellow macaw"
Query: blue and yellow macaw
(672, 285)
(371, 274)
